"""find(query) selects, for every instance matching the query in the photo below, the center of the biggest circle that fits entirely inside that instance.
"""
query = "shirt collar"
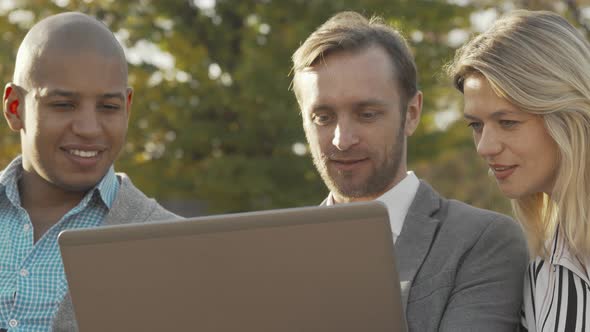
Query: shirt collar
(397, 199)
(9, 179)
(561, 255)
(107, 188)
(12, 172)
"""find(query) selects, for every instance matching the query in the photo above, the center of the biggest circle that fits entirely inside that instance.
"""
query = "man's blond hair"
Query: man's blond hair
(352, 32)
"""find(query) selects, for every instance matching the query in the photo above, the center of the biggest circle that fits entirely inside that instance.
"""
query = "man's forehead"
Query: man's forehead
(344, 72)
(57, 67)
(72, 36)
(320, 67)
(309, 79)
(55, 56)
(48, 92)
(305, 83)
(309, 74)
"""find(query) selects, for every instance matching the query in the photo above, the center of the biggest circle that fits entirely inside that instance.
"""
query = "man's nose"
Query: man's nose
(86, 121)
(345, 136)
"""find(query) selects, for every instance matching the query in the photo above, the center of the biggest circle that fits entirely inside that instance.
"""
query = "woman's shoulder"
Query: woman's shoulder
(555, 291)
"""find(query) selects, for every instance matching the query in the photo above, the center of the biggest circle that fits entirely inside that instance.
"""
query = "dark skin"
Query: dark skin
(72, 128)
(43, 211)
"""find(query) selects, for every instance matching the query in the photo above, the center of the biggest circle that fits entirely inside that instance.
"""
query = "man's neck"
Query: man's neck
(45, 203)
(338, 198)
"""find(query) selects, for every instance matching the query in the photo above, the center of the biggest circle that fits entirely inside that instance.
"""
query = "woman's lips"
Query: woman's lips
(502, 172)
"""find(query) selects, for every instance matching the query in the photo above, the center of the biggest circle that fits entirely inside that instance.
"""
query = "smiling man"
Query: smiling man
(461, 268)
(70, 102)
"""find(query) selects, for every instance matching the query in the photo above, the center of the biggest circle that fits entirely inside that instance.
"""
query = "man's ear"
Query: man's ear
(13, 104)
(413, 112)
(128, 101)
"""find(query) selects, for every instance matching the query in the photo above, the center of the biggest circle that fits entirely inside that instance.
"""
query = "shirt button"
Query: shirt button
(26, 227)
(13, 323)
(24, 272)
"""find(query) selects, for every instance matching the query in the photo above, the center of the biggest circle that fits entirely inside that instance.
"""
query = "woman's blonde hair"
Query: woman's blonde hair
(540, 63)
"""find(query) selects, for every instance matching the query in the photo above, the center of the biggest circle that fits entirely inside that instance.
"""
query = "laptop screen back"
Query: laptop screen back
(305, 269)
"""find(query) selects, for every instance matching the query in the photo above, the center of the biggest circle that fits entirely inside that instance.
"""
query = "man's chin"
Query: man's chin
(349, 191)
(359, 190)
(350, 186)
(77, 187)
(81, 185)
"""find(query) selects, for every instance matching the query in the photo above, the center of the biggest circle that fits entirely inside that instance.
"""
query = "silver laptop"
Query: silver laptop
(303, 269)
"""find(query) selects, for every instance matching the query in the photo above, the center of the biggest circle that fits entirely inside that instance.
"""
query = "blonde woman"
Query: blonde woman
(526, 86)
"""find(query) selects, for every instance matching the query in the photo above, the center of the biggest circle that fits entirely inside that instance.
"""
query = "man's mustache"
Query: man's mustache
(344, 155)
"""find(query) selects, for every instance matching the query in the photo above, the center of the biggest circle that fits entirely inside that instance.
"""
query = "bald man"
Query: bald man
(70, 102)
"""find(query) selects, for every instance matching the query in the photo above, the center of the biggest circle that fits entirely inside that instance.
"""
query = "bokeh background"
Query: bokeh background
(215, 128)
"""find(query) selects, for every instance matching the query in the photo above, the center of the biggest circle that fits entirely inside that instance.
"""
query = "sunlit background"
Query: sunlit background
(214, 126)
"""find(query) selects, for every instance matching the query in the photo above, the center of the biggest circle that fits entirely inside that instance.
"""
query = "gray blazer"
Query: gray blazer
(130, 206)
(461, 268)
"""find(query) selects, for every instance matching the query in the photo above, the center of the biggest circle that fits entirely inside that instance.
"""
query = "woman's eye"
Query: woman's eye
(508, 123)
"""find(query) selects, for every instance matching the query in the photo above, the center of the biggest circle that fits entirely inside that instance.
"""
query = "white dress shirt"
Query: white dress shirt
(398, 200)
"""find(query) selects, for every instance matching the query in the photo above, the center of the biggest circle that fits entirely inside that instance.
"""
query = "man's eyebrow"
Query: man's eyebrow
(70, 94)
(368, 103)
(56, 92)
(322, 108)
(116, 95)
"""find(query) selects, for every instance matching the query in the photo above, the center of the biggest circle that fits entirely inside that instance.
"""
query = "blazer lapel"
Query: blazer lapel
(416, 236)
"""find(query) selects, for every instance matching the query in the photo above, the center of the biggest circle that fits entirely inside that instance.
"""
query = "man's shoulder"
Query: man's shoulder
(458, 216)
(464, 214)
(464, 230)
(132, 205)
(474, 255)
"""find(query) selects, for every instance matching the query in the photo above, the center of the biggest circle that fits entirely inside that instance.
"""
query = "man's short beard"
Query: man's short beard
(377, 183)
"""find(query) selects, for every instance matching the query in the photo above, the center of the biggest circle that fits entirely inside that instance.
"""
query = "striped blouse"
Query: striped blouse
(557, 292)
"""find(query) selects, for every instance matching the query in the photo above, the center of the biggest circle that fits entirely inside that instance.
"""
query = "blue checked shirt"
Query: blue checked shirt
(32, 278)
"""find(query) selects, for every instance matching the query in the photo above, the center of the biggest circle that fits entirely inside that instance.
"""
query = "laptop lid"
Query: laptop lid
(303, 269)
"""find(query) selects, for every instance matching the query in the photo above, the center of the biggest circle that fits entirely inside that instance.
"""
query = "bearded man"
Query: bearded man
(461, 268)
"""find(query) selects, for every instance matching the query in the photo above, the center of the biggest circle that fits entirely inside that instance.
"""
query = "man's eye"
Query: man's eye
(368, 115)
(476, 126)
(321, 119)
(63, 105)
(110, 107)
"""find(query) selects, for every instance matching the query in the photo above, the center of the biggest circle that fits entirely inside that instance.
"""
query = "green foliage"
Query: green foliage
(220, 124)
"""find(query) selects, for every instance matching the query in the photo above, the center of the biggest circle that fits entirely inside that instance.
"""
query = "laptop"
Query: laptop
(329, 268)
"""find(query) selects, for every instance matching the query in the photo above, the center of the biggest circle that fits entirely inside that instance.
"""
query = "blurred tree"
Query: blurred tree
(213, 118)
